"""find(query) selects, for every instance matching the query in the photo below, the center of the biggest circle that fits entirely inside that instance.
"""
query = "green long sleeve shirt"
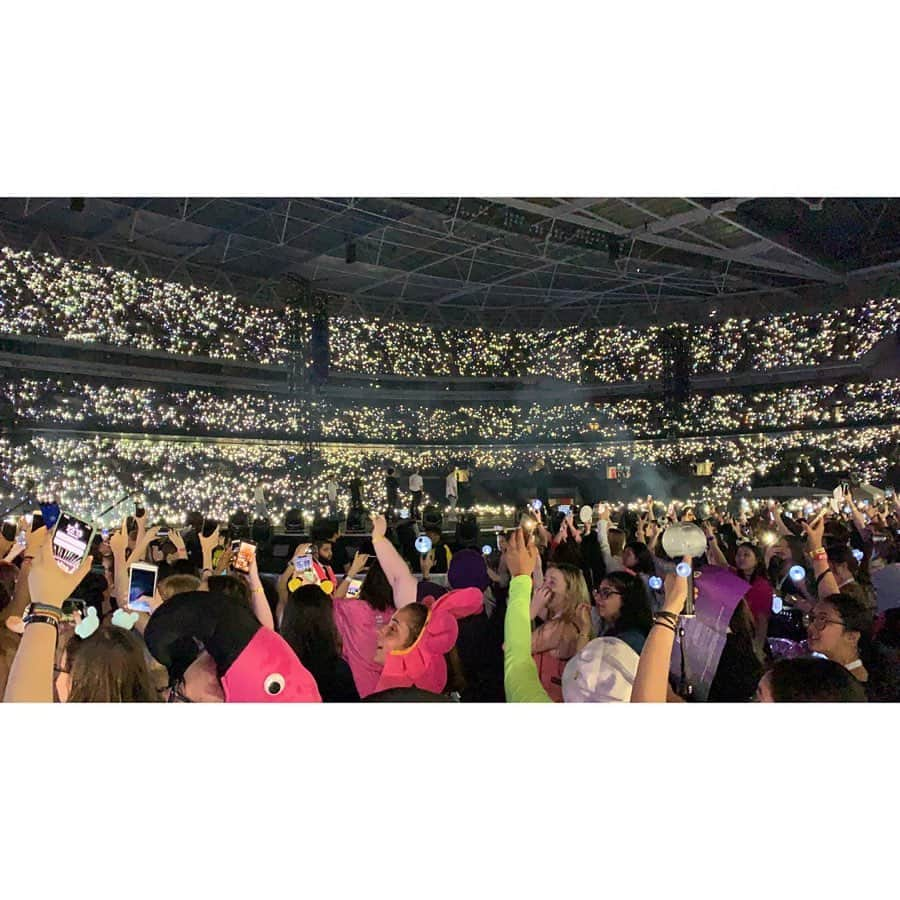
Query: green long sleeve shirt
(520, 675)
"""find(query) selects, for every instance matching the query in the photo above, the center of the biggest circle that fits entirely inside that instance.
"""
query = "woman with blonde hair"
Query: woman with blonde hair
(563, 606)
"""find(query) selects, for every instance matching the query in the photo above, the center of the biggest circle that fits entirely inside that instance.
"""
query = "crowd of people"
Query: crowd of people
(612, 603)
(71, 300)
(91, 473)
(793, 602)
(97, 404)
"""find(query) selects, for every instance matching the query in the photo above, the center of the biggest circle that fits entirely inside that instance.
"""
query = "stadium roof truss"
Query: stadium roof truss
(491, 262)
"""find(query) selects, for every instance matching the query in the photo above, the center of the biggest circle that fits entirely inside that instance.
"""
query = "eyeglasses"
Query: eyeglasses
(606, 593)
(176, 694)
(819, 622)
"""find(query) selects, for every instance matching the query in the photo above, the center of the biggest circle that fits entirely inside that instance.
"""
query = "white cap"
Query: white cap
(602, 673)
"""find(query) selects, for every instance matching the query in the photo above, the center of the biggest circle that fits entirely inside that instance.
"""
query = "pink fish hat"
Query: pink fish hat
(423, 665)
(254, 664)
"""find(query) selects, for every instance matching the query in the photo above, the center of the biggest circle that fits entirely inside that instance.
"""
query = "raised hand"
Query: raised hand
(143, 542)
(209, 543)
(359, 563)
(178, 541)
(676, 589)
(118, 540)
(48, 583)
(815, 531)
(35, 538)
(520, 554)
(379, 527)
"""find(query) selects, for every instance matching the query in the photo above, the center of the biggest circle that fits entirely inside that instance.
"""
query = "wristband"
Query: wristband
(663, 624)
(818, 551)
(665, 614)
(379, 538)
(41, 620)
(44, 609)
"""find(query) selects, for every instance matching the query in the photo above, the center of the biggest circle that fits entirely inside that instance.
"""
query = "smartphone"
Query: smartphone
(22, 539)
(9, 530)
(303, 563)
(141, 586)
(565, 509)
(71, 541)
(209, 526)
(244, 557)
(138, 509)
(162, 533)
(104, 534)
(354, 587)
(36, 520)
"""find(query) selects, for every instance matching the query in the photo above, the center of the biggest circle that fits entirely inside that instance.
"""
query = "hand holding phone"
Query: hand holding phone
(244, 557)
(142, 579)
(71, 541)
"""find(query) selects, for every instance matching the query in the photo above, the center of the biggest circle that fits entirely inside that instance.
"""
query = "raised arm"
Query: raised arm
(360, 561)
(826, 583)
(858, 519)
(520, 675)
(713, 551)
(118, 543)
(258, 600)
(611, 563)
(15, 609)
(31, 675)
(402, 581)
(651, 683)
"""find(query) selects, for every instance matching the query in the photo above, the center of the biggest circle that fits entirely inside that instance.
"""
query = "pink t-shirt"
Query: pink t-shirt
(759, 597)
(358, 624)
